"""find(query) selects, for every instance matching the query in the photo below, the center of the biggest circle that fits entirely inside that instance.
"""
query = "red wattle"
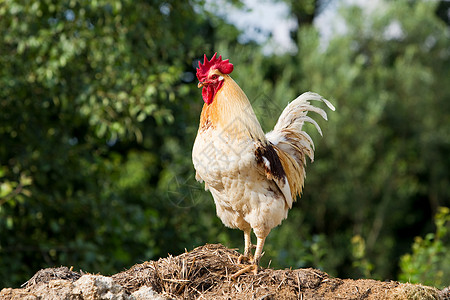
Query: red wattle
(208, 94)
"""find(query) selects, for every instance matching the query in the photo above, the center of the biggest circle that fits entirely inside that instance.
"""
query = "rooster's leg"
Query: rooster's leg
(247, 247)
(248, 243)
(259, 248)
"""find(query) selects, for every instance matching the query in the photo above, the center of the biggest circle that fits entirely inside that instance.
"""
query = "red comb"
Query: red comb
(224, 66)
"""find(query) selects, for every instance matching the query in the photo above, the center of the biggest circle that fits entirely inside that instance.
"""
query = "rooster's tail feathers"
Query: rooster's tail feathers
(292, 143)
(294, 115)
(288, 134)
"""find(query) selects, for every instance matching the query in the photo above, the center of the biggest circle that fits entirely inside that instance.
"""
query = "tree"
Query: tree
(98, 112)
(382, 169)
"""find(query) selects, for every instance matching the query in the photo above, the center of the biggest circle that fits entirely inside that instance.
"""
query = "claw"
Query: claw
(244, 259)
(240, 258)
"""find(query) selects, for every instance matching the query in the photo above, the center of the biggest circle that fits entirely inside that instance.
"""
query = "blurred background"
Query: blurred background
(99, 109)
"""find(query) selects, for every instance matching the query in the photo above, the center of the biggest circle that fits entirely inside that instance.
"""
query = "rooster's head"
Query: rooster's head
(210, 75)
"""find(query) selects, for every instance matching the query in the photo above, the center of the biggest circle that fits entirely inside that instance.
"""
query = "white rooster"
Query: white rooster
(254, 177)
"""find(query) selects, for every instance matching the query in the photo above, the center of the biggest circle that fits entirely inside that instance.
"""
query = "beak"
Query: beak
(200, 84)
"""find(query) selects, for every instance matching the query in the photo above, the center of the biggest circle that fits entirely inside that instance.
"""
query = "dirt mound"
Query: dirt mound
(206, 272)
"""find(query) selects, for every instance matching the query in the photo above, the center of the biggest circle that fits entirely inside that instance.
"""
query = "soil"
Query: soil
(206, 273)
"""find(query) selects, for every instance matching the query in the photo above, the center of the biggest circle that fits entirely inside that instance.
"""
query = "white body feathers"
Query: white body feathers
(254, 178)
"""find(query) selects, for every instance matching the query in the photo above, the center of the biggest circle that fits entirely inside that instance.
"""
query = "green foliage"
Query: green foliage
(429, 262)
(381, 169)
(99, 111)
(360, 261)
(376, 169)
(97, 103)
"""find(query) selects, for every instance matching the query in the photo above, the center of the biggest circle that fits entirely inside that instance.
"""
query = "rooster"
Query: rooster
(254, 177)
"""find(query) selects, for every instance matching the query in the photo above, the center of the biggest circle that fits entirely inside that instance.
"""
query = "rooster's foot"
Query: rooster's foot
(249, 268)
(244, 259)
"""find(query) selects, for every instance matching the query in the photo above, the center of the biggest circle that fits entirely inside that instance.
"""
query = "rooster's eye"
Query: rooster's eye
(214, 77)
